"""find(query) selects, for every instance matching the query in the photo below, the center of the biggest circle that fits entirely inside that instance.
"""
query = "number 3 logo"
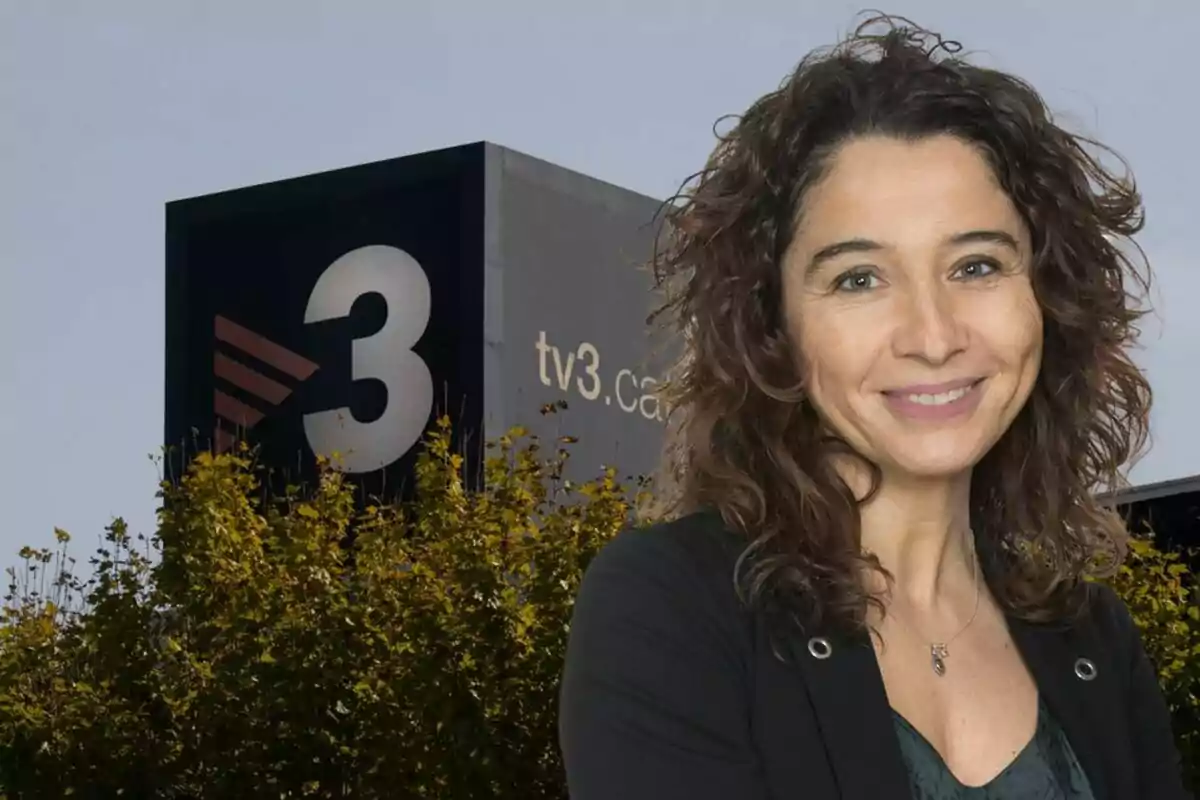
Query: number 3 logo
(385, 356)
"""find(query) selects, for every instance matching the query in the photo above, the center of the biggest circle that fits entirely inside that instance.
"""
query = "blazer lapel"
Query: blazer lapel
(1086, 709)
(852, 711)
(850, 704)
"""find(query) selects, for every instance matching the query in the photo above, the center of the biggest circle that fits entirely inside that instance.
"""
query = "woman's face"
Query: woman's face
(907, 294)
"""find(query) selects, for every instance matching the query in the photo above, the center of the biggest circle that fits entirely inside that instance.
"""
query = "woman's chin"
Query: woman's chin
(931, 466)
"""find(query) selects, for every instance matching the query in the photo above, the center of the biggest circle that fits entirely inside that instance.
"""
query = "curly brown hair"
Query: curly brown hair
(741, 438)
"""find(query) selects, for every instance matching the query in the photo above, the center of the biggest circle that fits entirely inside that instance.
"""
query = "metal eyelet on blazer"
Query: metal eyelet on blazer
(1085, 669)
(820, 648)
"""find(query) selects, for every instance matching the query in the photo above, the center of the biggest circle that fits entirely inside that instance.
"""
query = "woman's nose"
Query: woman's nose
(931, 329)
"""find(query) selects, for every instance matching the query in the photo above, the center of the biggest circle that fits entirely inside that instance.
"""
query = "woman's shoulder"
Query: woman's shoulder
(684, 565)
(1106, 611)
(697, 547)
(1105, 620)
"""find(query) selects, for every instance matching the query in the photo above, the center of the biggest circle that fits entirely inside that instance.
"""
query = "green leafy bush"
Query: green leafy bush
(255, 655)
(1163, 596)
(246, 650)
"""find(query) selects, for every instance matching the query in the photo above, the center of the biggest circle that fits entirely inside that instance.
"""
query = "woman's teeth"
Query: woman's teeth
(939, 399)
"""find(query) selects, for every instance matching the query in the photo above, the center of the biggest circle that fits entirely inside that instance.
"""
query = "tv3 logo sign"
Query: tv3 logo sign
(385, 356)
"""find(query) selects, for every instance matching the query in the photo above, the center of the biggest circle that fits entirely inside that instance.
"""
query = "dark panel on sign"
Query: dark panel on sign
(326, 312)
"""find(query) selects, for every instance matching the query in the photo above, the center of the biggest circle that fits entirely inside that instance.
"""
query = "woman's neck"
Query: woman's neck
(920, 532)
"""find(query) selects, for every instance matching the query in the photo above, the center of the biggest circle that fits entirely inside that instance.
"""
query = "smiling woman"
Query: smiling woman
(905, 300)
(907, 285)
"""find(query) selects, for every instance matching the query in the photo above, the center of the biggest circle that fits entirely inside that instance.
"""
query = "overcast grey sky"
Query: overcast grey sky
(110, 109)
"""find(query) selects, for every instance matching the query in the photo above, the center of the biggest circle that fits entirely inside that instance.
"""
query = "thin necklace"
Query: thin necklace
(940, 651)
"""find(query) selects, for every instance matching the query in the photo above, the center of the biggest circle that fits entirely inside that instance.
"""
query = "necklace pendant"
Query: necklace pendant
(938, 654)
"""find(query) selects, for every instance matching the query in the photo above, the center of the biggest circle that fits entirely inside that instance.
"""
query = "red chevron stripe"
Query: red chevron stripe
(223, 440)
(249, 380)
(235, 411)
(264, 349)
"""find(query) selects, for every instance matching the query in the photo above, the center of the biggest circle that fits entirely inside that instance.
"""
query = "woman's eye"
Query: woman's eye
(978, 269)
(857, 282)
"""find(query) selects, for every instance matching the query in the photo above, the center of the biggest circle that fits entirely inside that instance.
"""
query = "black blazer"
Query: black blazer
(672, 689)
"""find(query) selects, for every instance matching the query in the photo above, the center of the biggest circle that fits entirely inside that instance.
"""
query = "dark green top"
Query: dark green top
(1045, 770)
